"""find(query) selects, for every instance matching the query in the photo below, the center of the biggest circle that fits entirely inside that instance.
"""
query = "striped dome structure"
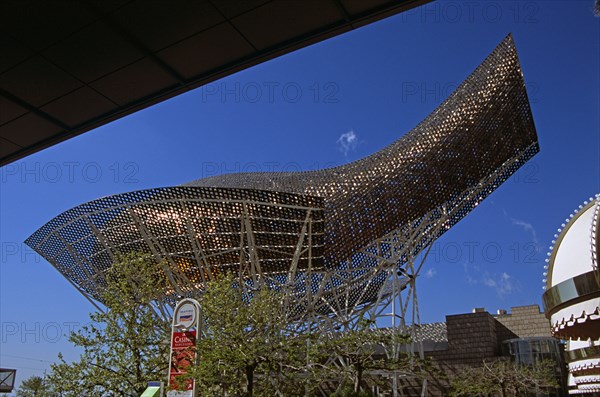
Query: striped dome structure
(572, 297)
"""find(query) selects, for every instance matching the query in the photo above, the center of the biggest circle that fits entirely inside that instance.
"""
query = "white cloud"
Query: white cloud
(430, 273)
(347, 142)
(507, 284)
(489, 282)
(503, 283)
(528, 227)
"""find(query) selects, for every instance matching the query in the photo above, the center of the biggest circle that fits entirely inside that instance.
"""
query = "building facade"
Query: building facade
(521, 334)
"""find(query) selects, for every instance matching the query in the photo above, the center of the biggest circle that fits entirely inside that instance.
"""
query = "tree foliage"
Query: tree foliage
(33, 386)
(125, 346)
(504, 378)
(348, 355)
(247, 345)
(250, 347)
(355, 357)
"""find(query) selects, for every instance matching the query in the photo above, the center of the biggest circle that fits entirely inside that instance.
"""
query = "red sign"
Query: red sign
(183, 339)
(183, 354)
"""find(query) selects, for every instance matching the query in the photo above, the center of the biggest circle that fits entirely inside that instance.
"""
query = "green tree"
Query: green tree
(126, 345)
(33, 386)
(504, 378)
(248, 346)
(72, 379)
(354, 358)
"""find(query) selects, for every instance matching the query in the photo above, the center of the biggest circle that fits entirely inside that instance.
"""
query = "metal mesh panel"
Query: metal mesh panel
(329, 238)
(197, 231)
(486, 122)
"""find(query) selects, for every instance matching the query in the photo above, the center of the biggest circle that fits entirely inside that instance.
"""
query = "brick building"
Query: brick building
(468, 339)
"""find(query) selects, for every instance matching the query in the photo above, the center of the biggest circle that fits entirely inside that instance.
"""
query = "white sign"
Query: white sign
(186, 315)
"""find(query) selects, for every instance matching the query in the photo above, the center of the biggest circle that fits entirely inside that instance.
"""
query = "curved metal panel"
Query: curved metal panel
(485, 126)
(331, 238)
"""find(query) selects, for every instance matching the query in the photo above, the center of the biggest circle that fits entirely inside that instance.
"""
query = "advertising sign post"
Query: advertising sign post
(184, 331)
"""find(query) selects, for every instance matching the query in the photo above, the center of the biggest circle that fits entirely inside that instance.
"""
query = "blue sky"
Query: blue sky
(324, 105)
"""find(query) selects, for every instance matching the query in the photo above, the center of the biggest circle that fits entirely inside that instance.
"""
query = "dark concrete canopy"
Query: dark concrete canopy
(70, 66)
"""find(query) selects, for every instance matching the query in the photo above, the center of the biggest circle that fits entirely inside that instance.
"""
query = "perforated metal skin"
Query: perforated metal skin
(327, 236)
(485, 123)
